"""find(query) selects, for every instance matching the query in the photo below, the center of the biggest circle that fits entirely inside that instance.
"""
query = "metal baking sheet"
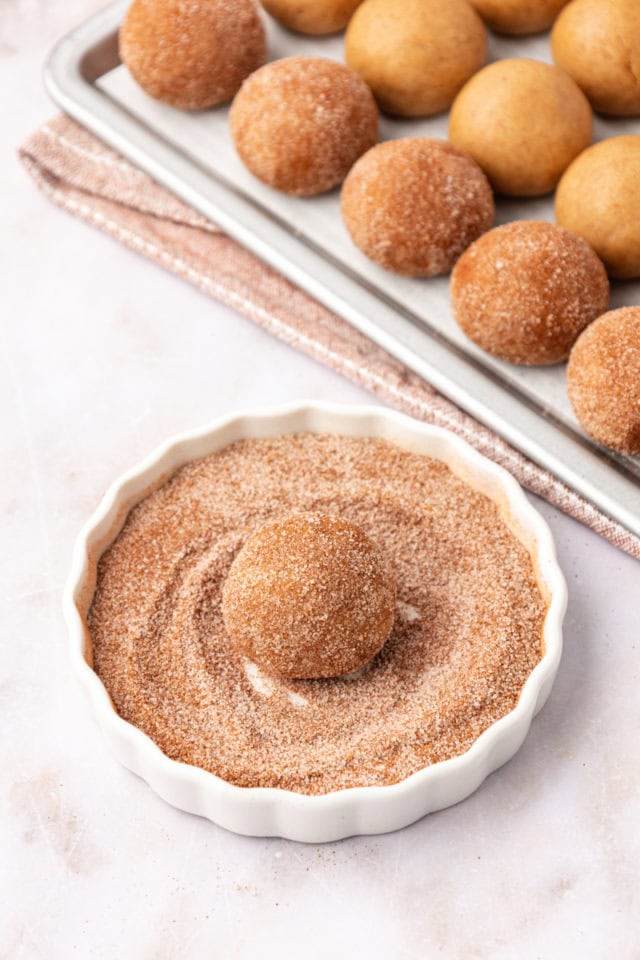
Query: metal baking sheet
(192, 154)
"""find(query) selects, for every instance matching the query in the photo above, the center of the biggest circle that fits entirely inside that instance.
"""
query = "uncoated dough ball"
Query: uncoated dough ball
(519, 16)
(413, 205)
(599, 199)
(415, 55)
(524, 122)
(603, 378)
(524, 291)
(598, 43)
(299, 124)
(192, 55)
(314, 17)
(308, 597)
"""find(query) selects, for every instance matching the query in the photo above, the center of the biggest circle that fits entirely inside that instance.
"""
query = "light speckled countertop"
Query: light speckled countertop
(103, 356)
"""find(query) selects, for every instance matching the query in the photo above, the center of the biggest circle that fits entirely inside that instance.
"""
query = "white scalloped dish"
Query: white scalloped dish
(267, 811)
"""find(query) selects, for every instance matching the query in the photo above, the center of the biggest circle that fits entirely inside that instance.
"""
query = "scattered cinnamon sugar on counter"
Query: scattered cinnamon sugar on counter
(467, 631)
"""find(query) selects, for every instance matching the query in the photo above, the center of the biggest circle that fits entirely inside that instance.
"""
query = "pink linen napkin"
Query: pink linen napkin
(85, 177)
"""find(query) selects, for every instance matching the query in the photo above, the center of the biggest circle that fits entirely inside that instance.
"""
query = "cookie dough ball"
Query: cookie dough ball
(519, 16)
(524, 122)
(300, 124)
(524, 291)
(413, 205)
(314, 17)
(603, 378)
(309, 597)
(598, 43)
(417, 54)
(192, 55)
(599, 199)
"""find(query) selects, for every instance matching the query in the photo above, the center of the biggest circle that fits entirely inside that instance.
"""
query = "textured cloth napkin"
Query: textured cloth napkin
(78, 172)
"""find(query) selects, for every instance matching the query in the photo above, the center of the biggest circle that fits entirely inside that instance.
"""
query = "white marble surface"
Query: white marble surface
(103, 356)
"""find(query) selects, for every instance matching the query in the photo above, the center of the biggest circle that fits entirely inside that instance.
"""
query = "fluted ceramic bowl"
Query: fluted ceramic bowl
(260, 811)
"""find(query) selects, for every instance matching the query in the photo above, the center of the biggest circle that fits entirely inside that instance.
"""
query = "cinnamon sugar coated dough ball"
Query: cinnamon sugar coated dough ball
(309, 597)
(598, 43)
(524, 291)
(519, 16)
(315, 17)
(300, 124)
(603, 378)
(524, 122)
(599, 199)
(417, 54)
(192, 55)
(413, 205)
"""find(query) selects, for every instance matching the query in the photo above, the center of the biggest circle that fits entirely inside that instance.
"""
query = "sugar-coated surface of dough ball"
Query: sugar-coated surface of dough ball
(417, 54)
(192, 55)
(524, 122)
(299, 124)
(315, 17)
(599, 199)
(309, 596)
(413, 205)
(603, 378)
(524, 291)
(519, 16)
(598, 43)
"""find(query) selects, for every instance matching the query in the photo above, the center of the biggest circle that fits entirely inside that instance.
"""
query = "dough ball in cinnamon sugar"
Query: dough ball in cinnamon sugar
(519, 16)
(603, 377)
(315, 17)
(413, 205)
(599, 199)
(299, 124)
(524, 122)
(192, 55)
(598, 43)
(524, 291)
(309, 597)
(415, 55)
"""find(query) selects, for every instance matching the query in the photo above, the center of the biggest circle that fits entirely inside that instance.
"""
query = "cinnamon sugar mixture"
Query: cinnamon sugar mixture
(466, 636)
